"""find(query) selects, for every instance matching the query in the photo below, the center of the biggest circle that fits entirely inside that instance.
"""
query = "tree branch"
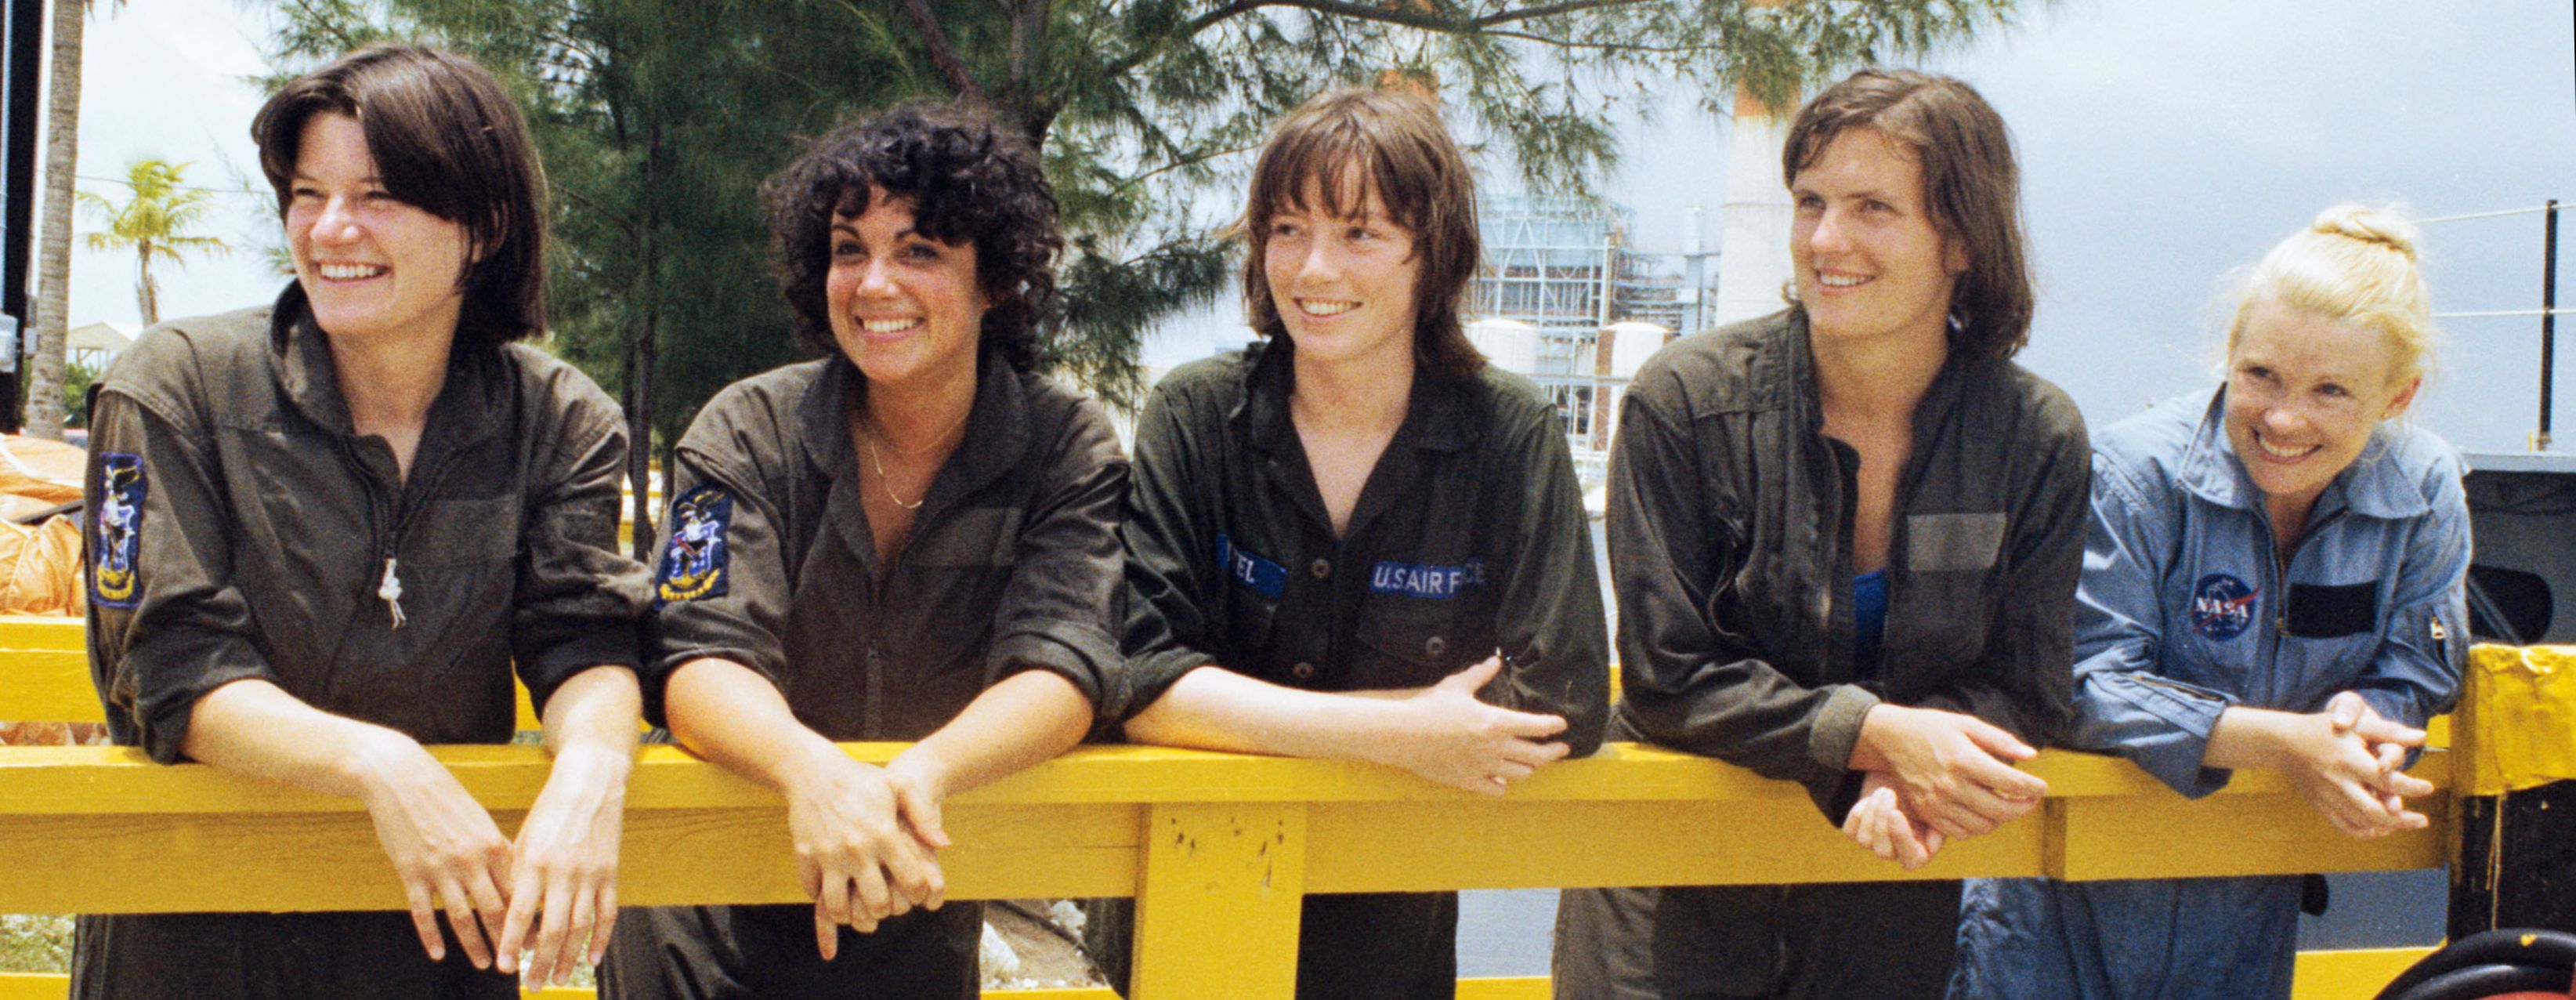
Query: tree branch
(942, 53)
(328, 26)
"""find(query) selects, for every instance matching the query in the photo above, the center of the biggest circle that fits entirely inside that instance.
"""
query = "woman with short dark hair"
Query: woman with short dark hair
(913, 537)
(325, 531)
(1357, 540)
(1844, 538)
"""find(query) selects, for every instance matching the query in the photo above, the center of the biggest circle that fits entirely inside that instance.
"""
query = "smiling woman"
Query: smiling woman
(2274, 578)
(1357, 540)
(1844, 538)
(331, 528)
(910, 538)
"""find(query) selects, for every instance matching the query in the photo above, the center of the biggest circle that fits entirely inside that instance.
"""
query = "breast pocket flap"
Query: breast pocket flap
(1937, 543)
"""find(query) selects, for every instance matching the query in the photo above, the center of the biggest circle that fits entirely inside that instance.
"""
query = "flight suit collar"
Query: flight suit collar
(1436, 417)
(468, 408)
(997, 436)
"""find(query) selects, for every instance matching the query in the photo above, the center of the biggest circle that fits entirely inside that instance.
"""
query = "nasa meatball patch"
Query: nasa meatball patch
(116, 534)
(2221, 607)
(693, 566)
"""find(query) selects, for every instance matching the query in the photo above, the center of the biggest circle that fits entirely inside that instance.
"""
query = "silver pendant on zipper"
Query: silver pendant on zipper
(391, 591)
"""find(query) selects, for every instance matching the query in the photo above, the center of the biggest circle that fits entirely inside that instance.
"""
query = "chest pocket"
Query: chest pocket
(458, 531)
(1951, 561)
(978, 536)
(2332, 611)
(1420, 623)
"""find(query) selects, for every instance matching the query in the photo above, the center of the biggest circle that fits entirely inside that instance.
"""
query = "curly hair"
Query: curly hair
(970, 180)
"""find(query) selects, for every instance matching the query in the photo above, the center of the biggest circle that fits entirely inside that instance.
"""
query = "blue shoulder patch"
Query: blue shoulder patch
(693, 566)
(116, 532)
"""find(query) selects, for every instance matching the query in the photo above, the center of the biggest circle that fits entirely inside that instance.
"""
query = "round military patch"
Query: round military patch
(2221, 607)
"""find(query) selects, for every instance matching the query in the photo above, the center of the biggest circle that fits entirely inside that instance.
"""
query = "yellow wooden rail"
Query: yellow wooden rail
(1217, 848)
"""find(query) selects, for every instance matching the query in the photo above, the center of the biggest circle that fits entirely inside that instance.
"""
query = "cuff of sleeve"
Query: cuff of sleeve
(2393, 706)
(2161, 725)
(164, 722)
(1146, 678)
(1082, 654)
(1837, 726)
(607, 644)
(655, 678)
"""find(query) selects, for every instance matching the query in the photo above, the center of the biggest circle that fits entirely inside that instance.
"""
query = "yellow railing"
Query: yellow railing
(1217, 848)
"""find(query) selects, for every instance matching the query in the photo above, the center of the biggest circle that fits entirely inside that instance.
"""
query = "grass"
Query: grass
(35, 943)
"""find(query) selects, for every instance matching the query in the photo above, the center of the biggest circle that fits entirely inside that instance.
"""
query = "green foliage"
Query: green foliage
(659, 118)
(76, 382)
(156, 221)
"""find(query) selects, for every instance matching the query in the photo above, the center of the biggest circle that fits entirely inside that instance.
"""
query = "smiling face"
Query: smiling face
(905, 308)
(2303, 395)
(1870, 262)
(372, 267)
(1344, 287)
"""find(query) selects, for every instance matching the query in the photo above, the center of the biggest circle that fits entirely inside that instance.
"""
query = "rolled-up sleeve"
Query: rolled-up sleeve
(1170, 551)
(733, 603)
(2121, 705)
(1554, 642)
(1057, 611)
(2415, 673)
(1690, 684)
(178, 627)
(579, 597)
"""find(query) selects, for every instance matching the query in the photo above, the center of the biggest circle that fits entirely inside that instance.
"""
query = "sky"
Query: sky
(2164, 143)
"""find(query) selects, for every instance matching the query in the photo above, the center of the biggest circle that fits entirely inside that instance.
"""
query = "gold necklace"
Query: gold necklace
(886, 481)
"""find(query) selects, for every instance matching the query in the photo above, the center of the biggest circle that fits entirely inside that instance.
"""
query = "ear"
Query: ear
(2405, 398)
(1954, 254)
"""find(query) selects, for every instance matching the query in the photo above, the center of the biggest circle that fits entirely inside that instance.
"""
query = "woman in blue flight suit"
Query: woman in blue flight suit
(2273, 578)
(1358, 540)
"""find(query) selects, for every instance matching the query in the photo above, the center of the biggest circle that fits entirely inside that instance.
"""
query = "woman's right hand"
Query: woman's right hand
(1450, 737)
(2344, 761)
(444, 846)
(1955, 770)
(855, 851)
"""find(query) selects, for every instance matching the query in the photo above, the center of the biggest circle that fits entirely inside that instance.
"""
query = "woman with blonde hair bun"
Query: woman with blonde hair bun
(2273, 579)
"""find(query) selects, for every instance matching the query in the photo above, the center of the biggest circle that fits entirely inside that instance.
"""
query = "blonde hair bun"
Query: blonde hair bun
(2353, 264)
(2368, 225)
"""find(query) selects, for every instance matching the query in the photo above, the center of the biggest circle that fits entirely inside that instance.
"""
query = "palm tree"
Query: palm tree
(54, 231)
(155, 223)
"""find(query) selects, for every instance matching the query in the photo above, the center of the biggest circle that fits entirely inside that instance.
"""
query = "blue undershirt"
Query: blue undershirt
(1869, 621)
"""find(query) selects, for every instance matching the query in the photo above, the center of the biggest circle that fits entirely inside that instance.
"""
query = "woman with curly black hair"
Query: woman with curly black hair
(911, 538)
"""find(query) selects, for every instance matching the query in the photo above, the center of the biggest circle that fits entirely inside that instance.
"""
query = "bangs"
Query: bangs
(1346, 166)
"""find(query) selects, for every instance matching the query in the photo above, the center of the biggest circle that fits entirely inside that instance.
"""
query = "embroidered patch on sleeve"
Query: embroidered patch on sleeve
(116, 533)
(693, 566)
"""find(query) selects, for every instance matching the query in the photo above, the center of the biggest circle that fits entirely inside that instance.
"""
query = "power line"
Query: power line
(2483, 215)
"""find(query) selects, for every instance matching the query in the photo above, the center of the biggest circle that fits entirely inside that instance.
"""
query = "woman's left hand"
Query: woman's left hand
(563, 866)
(1878, 821)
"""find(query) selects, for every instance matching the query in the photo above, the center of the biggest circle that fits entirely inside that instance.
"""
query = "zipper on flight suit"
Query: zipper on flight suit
(396, 520)
(2281, 585)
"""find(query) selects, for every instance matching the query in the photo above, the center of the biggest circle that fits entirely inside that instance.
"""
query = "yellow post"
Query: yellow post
(1216, 911)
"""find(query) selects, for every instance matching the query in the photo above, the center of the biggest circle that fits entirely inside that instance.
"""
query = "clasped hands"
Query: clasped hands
(1931, 776)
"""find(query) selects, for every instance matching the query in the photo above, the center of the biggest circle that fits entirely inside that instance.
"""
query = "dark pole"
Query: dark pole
(2548, 319)
(19, 152)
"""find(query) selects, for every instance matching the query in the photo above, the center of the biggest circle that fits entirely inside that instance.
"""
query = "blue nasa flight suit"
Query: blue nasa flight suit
(2183, 612)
